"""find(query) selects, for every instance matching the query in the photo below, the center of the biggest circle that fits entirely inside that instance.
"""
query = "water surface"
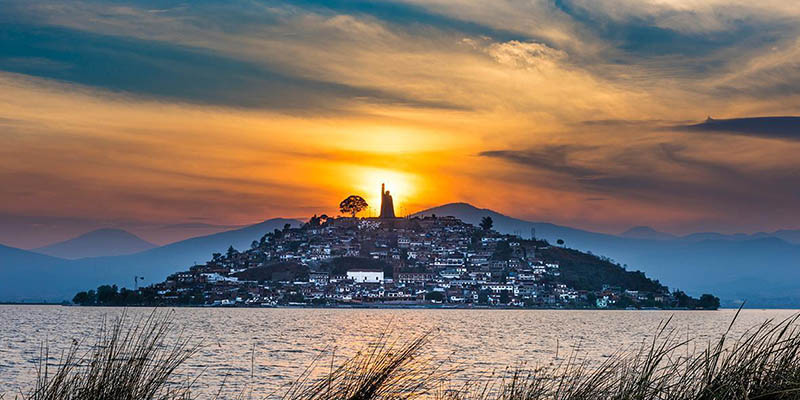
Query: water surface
(264, 349)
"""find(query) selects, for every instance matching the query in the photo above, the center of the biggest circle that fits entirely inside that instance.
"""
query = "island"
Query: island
(430, 261)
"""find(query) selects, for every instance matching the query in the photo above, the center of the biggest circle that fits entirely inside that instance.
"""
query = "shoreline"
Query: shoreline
(378, 307)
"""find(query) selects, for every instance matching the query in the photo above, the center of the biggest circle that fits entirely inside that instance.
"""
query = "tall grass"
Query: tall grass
(384, 370)
(124, 363)
(763, 363)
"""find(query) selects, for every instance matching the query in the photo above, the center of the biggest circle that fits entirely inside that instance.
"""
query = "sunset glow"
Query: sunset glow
(143, 118)
(401, 185)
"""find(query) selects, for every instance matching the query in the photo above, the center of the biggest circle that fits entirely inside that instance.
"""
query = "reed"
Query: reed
(764, 363)
(384, 370)
(139, 363)
(124, 363)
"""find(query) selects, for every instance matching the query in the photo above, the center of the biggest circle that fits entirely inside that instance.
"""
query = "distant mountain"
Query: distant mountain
(35, 277)
(761, 270)
(646, 232)
(787, 235)
(29, 276)
(98, 243)
(167, 234)
(502, 223)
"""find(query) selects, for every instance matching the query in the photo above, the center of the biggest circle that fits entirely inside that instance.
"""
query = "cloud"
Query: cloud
(248, 101)
(670, 174)
(787, 128)
(525, 55)
(554, 158)
(409, 16)
(179, 73)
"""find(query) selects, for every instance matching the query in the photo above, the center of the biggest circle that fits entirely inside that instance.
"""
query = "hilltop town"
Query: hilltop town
(402, 262)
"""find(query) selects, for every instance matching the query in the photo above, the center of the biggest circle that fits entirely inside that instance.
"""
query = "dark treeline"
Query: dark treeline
(111, 295)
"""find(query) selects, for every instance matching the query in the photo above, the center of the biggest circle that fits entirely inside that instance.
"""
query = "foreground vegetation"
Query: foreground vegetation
(139, 363)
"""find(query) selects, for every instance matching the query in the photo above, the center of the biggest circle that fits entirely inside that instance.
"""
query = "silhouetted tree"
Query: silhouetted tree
(254, 244)
(107, 295)
(502, 251)
(85, 298)
(560, 242)
(505, 297)
(317, 221)
(434, 296)
(231, 251)
(486, 223)
(483, 297)
(353, 205)
(708, 302)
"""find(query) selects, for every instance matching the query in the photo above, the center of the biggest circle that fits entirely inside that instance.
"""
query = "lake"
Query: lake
(265, 349)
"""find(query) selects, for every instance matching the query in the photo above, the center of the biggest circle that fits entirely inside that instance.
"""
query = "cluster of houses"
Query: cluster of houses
(385, 262)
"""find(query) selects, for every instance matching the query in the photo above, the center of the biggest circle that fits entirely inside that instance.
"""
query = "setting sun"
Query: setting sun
(402, 186)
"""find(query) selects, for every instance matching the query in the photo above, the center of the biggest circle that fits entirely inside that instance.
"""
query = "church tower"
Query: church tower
(387, 204)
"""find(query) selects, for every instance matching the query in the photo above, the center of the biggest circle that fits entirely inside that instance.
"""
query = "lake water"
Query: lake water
(264, 349)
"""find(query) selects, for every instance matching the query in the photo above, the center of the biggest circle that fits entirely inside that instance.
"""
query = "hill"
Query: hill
(757, 269)
(31, 276)
(502, 223)
(760, 269)
(97, 243)
(787, 235)
(646, 232)
(584, 271)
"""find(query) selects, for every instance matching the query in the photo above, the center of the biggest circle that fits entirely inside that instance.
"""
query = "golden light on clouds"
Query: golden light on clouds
(515, 107)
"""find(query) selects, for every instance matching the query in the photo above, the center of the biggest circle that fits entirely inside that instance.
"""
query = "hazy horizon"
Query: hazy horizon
(39, 232)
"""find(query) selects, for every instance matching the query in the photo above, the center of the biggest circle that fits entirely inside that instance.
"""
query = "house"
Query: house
(414, 277)
(365, 275)
(319, 278)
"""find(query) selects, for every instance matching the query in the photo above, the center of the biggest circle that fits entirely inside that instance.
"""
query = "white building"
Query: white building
(365, 275)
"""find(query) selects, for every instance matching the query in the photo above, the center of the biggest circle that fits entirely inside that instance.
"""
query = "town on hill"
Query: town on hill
(402, 262)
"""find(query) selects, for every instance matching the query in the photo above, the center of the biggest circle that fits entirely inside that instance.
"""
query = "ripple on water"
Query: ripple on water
(281, 343)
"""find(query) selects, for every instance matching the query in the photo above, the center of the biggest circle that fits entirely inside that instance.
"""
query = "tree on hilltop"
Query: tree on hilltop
(353, 205)
(486, 223)
(317, 221)
(231, 252)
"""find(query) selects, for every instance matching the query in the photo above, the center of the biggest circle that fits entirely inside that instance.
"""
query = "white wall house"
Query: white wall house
(365, 275)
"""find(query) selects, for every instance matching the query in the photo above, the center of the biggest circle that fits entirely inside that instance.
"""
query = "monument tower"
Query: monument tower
(387, 204)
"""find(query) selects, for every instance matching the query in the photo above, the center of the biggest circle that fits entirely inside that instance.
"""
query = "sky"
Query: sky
(153, 115)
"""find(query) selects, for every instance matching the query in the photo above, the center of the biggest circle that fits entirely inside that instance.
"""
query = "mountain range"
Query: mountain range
(760, 269)
(646, 232)
(30, 276)
(97, 243)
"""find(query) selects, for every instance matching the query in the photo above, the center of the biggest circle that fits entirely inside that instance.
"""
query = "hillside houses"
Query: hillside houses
(383, 262)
